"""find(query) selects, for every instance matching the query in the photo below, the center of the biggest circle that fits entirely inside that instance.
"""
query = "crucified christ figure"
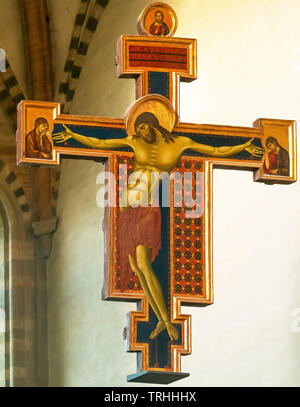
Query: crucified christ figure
(156, 150)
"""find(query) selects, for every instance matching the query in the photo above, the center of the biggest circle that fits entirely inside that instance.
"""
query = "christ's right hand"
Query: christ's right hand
(63, 136)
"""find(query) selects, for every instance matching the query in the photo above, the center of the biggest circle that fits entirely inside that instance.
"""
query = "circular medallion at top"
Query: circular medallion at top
(157, 20)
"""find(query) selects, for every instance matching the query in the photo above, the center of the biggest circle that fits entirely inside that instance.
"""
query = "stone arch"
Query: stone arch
(10, 182)
(19, 273)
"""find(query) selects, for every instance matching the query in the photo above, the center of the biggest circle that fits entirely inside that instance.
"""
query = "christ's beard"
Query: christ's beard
(150, 138)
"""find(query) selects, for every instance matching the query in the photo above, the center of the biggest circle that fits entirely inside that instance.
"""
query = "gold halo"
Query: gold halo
(160, 106)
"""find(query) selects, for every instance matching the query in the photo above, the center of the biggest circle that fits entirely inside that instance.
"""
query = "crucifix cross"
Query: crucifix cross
(158, 241)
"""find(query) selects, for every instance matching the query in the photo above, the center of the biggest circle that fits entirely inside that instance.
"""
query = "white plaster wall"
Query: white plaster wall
(11, 39)
(248, 67)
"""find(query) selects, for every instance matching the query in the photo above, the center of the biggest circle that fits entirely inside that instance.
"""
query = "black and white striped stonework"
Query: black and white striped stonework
(10, 179)
(86, 23)
(10, 93)
(75, 39)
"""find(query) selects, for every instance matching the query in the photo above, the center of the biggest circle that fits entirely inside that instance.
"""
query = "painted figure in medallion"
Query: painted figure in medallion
(159, 27)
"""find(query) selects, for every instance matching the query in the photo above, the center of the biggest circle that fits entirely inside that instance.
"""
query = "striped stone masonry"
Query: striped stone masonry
(10, 179)
(86, 23)
(10, 93)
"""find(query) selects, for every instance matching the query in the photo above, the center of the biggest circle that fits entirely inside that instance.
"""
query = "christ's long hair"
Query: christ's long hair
(150, 118)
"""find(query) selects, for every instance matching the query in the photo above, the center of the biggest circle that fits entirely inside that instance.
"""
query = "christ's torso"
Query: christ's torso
(151, 160)
(159, 156)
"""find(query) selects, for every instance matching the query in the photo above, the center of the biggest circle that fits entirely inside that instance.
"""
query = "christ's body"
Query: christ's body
(155, 151)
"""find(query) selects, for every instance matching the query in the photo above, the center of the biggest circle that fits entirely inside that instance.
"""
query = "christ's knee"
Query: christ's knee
(142, 258)
(142, 264)
(146, 271)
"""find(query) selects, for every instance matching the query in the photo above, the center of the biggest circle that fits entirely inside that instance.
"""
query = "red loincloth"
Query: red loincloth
(137, 226)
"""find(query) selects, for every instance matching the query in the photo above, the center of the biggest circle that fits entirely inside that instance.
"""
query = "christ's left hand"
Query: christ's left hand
(255, 151)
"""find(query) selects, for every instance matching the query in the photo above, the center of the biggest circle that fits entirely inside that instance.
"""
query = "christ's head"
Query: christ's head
(147, 132)
(147, 127)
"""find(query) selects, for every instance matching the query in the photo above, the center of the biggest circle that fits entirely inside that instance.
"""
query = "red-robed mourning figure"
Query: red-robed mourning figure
(38, 144)
(159, 28)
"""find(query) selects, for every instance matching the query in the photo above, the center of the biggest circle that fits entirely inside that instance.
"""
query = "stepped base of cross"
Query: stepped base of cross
(156, 377)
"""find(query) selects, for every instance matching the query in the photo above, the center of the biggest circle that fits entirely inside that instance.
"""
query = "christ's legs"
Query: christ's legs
(143, 256)
(152, 288)
(144, 286)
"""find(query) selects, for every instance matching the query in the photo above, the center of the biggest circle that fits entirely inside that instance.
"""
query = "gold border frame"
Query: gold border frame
(288, 128)
(141, 74)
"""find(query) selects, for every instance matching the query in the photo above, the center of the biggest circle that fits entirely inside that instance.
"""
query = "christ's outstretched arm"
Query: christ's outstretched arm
(90, 142)
(225, 151)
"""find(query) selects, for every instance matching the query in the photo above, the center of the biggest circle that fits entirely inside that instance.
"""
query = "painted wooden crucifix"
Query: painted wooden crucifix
(158, 214)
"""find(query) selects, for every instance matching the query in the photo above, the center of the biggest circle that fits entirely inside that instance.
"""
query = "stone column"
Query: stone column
(43, 232)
